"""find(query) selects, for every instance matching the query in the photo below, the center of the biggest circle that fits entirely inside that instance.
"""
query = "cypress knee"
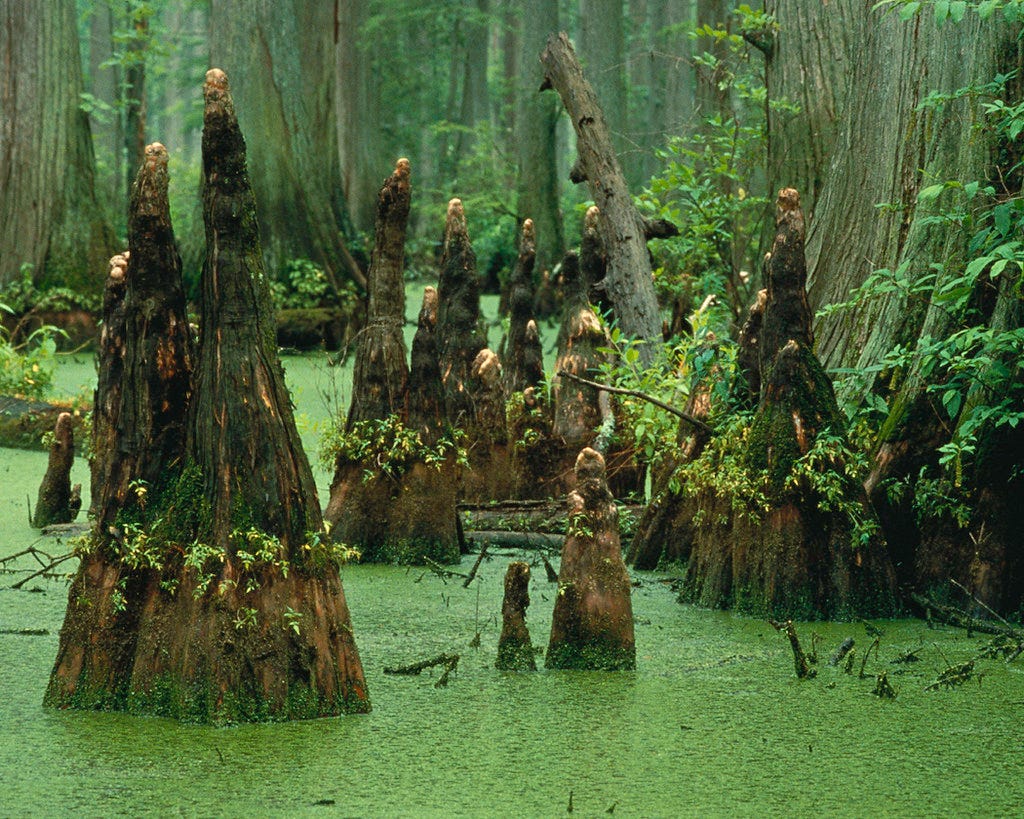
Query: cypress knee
(515, 652)
(592, 626)
(54, 504)
(523, 359)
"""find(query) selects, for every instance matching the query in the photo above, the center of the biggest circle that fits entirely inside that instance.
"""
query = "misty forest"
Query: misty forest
(511, 408)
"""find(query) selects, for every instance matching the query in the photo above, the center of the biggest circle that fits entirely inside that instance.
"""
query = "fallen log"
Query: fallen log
(952, 616)
(515, 540)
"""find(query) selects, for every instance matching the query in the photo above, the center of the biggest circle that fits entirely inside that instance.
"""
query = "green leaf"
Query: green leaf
(986, 8)
(909, 10)
(931, 192)
(957, 10)
(975, 266)
(951, 400)
(998, 267)
(941, 11)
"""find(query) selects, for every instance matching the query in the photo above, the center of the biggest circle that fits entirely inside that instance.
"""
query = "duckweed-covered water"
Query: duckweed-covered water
(713, 722)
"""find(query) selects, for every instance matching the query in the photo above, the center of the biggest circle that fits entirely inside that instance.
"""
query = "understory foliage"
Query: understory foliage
(713, 182)
(26, 367)
(387, 447)
(972, 374)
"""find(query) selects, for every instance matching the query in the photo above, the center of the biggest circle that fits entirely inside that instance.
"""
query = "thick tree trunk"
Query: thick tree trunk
(134, 96)
(216, 599)
(283, 59)
(49, 218)
(592, 626)
(535, 129)
(515, 651)
(357, 97)
(105, 125)
(406, 514)
(522, 355)
(629, 284)
(808, 62)
(798, 557)
(57, 502)
(380, 372)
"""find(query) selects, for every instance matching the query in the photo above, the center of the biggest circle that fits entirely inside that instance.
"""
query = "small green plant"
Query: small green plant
(388, 447)
(304, 285)
(27, 367)
(292, 620)
(245, 618)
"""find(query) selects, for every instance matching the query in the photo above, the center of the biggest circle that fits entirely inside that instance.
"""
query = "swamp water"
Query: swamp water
(713, 722)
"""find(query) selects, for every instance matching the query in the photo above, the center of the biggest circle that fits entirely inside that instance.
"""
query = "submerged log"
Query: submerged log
(219, 598)
(628, 284)
(592, 625)
(56, 502)
(515, 651)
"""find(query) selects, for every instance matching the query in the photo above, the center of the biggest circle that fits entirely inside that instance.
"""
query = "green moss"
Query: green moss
(594, 655)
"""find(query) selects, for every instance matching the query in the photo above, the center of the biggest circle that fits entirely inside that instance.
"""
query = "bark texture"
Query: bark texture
(399, 513)
(797, 557)
(592, 626)
(628, 284)
(515, 651)
(49, 217)
(214, 598)
(523, 357)
(283, 59)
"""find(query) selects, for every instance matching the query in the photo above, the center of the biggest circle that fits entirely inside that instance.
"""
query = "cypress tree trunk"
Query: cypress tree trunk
(49, 218)
(522, 355)
(798, 557)
(214, 598)
(399, 512)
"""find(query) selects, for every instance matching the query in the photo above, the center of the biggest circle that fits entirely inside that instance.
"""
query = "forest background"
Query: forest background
(898, 122)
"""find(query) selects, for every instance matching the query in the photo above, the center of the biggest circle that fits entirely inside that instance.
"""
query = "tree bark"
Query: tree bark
(283, 54)
(535, 129)
(629, 284)
(49, 217)
(523, 357)
(592, 625)
(217, 599)
(380, 372)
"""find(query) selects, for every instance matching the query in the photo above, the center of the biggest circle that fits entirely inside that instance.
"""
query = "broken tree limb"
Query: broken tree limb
(449, 660)
(630, 285)
(642, 396)
(952, 616)
(803, 670)
(845, 648)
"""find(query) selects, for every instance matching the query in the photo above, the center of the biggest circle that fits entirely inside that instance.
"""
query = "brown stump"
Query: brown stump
(212, 597)
(515, 651)
(489, 474)
(537, 459)
(592, 626)
(55, 503)
(522, 356)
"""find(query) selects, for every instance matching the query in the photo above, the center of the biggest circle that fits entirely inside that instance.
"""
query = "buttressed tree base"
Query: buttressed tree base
(208, 591)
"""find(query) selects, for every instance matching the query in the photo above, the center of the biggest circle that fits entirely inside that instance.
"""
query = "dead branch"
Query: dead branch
(476, 566)
(844, 648)
(803, 670)
(650, 399)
